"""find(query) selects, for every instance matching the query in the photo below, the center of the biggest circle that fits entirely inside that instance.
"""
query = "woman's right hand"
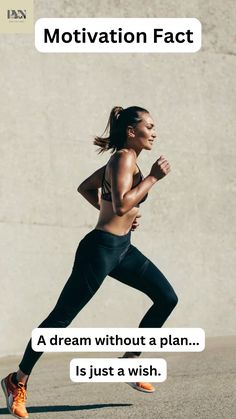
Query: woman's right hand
(160, 168)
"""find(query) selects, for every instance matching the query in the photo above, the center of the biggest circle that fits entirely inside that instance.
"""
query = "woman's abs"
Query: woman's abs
(112, 223)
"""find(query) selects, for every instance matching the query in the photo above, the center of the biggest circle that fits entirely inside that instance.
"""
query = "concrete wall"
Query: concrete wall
(51, 107)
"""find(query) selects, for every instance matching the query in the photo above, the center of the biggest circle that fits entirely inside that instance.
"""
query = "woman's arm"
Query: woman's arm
(123, 197)
(89, 188)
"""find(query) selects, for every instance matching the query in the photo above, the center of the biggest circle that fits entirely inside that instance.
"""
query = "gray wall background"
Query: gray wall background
(51, 107)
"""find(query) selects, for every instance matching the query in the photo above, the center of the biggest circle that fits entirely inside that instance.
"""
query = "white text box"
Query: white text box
(118, 35)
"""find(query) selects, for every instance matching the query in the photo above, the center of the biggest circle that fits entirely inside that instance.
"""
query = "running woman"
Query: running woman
(107, 249)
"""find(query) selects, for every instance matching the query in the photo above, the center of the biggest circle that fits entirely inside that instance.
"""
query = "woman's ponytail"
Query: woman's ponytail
(105, 143)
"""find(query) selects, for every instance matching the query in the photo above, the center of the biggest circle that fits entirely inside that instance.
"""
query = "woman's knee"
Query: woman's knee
(168, 300)
(171, 299)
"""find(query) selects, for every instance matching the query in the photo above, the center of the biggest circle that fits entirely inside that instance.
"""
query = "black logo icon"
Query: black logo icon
(13, 14)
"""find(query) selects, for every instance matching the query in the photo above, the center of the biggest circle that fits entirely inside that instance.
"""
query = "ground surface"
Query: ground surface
(199, 385)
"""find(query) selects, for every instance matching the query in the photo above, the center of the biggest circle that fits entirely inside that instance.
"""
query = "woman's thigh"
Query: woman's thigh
(95, 257)
(137, 271)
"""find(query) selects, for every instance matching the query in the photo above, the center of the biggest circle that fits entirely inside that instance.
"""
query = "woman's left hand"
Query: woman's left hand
(135, 222)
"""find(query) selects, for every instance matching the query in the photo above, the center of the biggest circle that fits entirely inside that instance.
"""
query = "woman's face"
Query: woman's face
(144, 133)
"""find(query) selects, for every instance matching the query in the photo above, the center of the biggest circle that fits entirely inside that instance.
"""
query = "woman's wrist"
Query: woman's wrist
(152, 178)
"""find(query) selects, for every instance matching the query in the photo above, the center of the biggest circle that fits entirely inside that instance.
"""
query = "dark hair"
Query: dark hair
(118, 122)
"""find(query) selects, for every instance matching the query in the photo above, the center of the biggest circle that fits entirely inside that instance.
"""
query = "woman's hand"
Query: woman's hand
(135, 222)
(160, 168)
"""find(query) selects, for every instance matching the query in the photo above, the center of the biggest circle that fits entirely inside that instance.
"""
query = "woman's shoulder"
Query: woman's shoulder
(123, 159)
(124, 155)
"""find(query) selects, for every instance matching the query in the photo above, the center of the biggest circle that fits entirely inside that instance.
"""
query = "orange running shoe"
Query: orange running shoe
(15, 397)
(145, 387)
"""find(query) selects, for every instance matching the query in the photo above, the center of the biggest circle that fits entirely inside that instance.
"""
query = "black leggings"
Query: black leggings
(100, 254)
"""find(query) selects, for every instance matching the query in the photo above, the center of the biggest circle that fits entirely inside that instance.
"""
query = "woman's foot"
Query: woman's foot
(15, 397)
(145, 387)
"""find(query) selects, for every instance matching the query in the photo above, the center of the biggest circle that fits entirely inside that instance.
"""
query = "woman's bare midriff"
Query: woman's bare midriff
(112, 223)
(108, 221)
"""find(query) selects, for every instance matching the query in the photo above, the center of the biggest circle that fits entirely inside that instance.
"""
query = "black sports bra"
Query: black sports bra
(106, 188)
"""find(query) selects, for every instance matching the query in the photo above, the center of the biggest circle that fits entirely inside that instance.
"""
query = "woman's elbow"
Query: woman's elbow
(80, 189)
(120, 207)
(119, 210)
